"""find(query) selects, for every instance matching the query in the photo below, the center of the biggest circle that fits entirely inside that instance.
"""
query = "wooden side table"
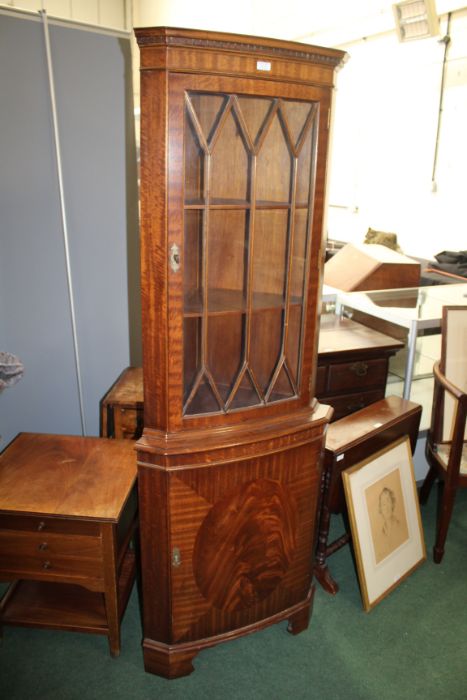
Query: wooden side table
(121, 409)
(348, 441)
(68, 511)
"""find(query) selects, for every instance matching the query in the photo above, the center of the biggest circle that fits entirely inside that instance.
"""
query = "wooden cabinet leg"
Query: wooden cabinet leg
(165, 661)
(111, 588)
(299, 621)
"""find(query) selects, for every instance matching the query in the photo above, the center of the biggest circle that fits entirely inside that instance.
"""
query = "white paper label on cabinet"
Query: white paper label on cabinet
(263, 65)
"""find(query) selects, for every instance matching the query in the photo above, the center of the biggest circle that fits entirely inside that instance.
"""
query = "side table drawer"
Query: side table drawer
(30, 554)
(47, 525)
(357, 375)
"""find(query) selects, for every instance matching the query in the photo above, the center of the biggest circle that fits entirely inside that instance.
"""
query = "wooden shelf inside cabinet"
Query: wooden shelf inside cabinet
(223, 301)
(241, 204)
(229, 462)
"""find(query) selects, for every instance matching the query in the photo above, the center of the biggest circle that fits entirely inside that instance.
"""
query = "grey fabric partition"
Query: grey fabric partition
(94, 110)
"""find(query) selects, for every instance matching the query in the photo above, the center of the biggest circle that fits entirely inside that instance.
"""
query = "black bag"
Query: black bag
(452, 262)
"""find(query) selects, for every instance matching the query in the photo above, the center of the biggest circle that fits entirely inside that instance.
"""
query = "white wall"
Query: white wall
(386, 116)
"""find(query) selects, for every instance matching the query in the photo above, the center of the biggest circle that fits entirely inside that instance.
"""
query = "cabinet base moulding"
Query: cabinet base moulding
(175, 661)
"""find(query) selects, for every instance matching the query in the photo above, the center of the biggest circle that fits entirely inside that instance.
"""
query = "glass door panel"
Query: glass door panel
(265, 351)
(274, 164)
(227, 246)
(248, 166)
(254, 111)
(295, 115)
(191, 353)
(230, 172)
(282, 387)
(304, 173)
(206, 110)
(270, 257)
(246, 394)
(299, 256)
(293, 342)
(202, 398)
(225, 351)
(194, 165)
(192, 268)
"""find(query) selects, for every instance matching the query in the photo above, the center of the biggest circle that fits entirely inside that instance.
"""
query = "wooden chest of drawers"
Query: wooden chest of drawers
(352, 364)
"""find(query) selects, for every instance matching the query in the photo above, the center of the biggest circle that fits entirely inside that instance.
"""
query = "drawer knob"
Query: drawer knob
(47, 565)
(41, 525)
(42, 546)
(359, 368)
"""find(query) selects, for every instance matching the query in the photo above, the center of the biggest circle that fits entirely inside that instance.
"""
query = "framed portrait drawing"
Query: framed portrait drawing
(385, 521)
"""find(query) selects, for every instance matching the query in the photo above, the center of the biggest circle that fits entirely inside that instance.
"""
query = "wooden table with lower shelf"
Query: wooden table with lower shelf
(349, 441)
(68, 513)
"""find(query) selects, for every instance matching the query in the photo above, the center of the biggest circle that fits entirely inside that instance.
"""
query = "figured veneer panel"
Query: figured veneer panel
(243, 533)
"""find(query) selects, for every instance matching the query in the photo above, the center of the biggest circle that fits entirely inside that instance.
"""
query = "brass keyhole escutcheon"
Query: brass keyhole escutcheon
(176, 557)
(174, 257)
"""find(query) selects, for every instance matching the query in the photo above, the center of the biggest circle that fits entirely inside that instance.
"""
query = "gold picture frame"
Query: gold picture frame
(385, 521)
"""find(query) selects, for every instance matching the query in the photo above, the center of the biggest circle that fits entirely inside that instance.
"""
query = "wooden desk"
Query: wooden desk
(68, 509)
(349, 441)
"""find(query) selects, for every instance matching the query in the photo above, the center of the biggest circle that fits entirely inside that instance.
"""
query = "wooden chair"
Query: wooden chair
(446, 446)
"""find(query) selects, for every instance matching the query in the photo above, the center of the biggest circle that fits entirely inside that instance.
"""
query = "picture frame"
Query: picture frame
(385, 520)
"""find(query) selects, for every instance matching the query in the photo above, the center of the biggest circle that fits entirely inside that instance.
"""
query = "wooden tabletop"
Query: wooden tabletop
(69, 476)
(348, 431)
(128, 389)
(344, 335)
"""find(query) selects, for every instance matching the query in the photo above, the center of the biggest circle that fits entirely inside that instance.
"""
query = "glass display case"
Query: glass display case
(417, 309)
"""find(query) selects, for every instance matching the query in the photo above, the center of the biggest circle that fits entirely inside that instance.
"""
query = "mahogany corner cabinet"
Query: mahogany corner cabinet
(234, 141)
